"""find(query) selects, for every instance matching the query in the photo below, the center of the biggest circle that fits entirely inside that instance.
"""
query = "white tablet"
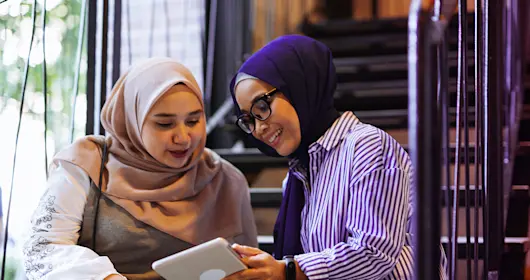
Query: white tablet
(212, 260)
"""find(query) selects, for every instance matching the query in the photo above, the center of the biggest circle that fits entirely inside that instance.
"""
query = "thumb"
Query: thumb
(246, 250)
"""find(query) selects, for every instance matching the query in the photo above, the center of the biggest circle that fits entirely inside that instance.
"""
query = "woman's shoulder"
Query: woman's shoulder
(368, 143)
(364, 136)
(83, 149)
(67, 181)
(85, 152)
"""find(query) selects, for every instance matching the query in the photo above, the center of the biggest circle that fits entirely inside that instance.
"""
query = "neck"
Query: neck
(314, 132)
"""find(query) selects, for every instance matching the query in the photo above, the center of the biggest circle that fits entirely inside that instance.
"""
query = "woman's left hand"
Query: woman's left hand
(260, 265)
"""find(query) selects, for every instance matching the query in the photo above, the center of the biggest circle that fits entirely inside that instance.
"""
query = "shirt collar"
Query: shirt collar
(331, 138)
(334, 135)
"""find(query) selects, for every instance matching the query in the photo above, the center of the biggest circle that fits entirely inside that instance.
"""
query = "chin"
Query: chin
(178, 165)
(286, 149)
(173, 163)
(284, 152)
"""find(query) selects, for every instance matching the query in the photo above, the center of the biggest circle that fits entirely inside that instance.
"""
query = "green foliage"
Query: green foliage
(62, 28)
(11, 269)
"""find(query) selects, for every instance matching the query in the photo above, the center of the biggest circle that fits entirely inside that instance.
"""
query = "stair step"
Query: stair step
(266, 197)
(387, 87)
(379, 90)
(387, 73)
(272, 197)
(512, 245)
(378, 44)
(335, 28)
(345, 63)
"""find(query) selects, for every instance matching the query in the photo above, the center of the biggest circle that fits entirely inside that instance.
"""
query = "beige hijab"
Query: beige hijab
(196, 203)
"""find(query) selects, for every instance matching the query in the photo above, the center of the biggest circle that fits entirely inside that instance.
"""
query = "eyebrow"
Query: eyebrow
(258, 97)
(167, 115)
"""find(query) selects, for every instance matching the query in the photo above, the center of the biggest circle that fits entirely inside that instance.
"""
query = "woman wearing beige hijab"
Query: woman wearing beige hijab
(160, 190)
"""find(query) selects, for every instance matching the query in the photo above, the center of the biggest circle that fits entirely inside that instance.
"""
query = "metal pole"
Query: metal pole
(442, 14)
(456, 196)
(479, 189)
(462, 90)
(102, 95)
(45, 86)
(211, 29)
(492, 93)
(97, 64)
(425, 146)
(116, 42)
(514, 87)
(91, 65)
(443, 77)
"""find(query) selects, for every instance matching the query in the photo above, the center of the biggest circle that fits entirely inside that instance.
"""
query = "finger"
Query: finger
(246, 250)
(247, 274)
(253, 261)
(260, 260)
(245, 259)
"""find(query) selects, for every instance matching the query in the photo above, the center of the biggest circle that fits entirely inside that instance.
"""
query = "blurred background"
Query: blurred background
(59, 60)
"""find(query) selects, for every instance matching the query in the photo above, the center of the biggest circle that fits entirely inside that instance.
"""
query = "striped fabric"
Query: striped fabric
(356, 223)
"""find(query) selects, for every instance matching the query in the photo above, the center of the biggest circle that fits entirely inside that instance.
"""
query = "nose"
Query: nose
(181, 136)
(261, 127)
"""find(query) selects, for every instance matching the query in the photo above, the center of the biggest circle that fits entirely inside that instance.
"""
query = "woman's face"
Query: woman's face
(281, 130)
(174, 127)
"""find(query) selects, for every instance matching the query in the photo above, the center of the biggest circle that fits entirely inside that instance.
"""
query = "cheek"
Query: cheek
(196, 136)
(294, 130)
(154, 141)
(290, 122)
(147, 138)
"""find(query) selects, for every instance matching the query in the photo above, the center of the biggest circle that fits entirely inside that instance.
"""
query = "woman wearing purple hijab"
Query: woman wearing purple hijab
(347, 206)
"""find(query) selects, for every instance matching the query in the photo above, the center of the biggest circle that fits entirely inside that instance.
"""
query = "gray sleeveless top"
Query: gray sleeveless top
(131, 245)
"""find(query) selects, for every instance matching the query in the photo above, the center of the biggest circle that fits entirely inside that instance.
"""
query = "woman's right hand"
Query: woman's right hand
(115, 277)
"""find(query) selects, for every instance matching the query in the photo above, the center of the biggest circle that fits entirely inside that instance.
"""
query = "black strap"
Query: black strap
(290, 267)
(98, 193)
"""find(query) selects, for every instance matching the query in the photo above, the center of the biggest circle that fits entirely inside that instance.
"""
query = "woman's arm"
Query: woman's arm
(51, 251)
(376, 225)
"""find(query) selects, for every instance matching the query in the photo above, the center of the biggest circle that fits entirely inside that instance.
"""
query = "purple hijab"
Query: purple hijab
(303, 70)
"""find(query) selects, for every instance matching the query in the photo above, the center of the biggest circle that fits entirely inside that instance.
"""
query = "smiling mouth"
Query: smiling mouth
(274, 139)
(179, 154)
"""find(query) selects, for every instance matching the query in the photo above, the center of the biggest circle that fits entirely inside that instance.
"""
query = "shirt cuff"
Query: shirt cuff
(314, 265)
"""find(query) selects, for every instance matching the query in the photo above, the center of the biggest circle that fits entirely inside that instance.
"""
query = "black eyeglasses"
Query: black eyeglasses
(260, 109)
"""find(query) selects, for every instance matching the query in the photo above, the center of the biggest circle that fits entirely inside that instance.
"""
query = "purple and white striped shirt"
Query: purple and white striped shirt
(356, 223)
